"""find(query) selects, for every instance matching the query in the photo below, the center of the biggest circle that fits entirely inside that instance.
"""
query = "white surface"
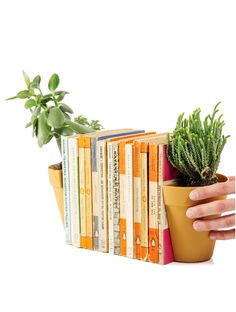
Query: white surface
(130, 64)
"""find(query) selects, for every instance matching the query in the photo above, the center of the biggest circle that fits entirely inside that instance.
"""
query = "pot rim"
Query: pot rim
(222, 176)
(53, 167)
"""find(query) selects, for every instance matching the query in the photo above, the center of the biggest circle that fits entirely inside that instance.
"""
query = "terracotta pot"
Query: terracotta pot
(55, 177)
(188, 244)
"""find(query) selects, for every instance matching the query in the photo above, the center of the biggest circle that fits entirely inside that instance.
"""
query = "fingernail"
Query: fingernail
(197, 226)
(193, 195)
(212, 236)
(189, 213)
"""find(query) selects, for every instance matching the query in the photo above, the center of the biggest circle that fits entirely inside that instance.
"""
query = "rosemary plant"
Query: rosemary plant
(195, 147)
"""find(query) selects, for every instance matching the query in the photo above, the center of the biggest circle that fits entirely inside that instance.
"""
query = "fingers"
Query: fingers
(232, 178)
(217, 189)
(214, 224)
(215, 207)
(221, 235)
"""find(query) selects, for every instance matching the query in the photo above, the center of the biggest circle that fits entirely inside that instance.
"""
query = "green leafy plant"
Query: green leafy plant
(94, 124)
(50, 116)
(195, 147)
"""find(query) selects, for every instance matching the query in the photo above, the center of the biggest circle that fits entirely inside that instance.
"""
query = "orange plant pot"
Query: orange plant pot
(55, 178)
(188, 244)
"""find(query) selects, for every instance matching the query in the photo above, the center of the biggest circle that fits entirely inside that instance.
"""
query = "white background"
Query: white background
(130, 64)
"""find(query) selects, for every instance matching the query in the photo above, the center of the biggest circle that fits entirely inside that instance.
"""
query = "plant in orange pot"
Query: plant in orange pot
(194, 149)
(51, 118)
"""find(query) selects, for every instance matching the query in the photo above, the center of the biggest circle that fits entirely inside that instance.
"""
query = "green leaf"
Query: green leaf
(28, 124)
(61, 96)
(64, 131)
(37, 79)
(46, 98)
(27, 80)
(48, 139)
(36, 112)
(35, 127)
(60, 92)
(78, 128)
(23, 94)
(36, 82)
(96, 125)
(11, 98)
(53, 82)
(30, 103)
(65, 108)
(55, 118)
(44, 129)
(66, 116)
(82, 120)
(38, 98)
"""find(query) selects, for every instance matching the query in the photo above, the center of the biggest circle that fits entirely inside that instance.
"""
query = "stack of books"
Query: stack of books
(112, 184)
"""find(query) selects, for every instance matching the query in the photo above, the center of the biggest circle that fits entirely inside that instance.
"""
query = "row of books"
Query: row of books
(113, 202)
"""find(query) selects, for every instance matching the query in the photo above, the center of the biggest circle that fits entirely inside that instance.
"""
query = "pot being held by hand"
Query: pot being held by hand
(188, 244)
(194, 149)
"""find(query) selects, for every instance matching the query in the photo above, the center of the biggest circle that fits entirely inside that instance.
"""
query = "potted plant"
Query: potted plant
(51, 118)
(194, 149)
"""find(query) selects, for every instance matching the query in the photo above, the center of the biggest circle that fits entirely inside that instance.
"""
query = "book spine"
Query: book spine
(116, 199)
(88, 193)
(137, 201)
(153, 240)
(95, 193)
(165, 247)
(122, 199)
(74, 198)
(65, 179)
(129, 200)
(160, 214)
(82, 194)
(102, 199)
(110, 173)
(144, 202)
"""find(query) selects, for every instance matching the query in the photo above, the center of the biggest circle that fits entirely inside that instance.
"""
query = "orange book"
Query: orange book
(88, 193)
(137, 201)
(153, 237)
(83, 239)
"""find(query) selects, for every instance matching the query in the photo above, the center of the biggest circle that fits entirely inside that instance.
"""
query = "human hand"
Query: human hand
(213, 208)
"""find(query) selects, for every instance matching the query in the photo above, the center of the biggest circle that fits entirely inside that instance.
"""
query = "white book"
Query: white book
(110, 174)
(74, 189)
(102, 199)
(129, 200)
(66, 189)
(95, 192)
(113, 197)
